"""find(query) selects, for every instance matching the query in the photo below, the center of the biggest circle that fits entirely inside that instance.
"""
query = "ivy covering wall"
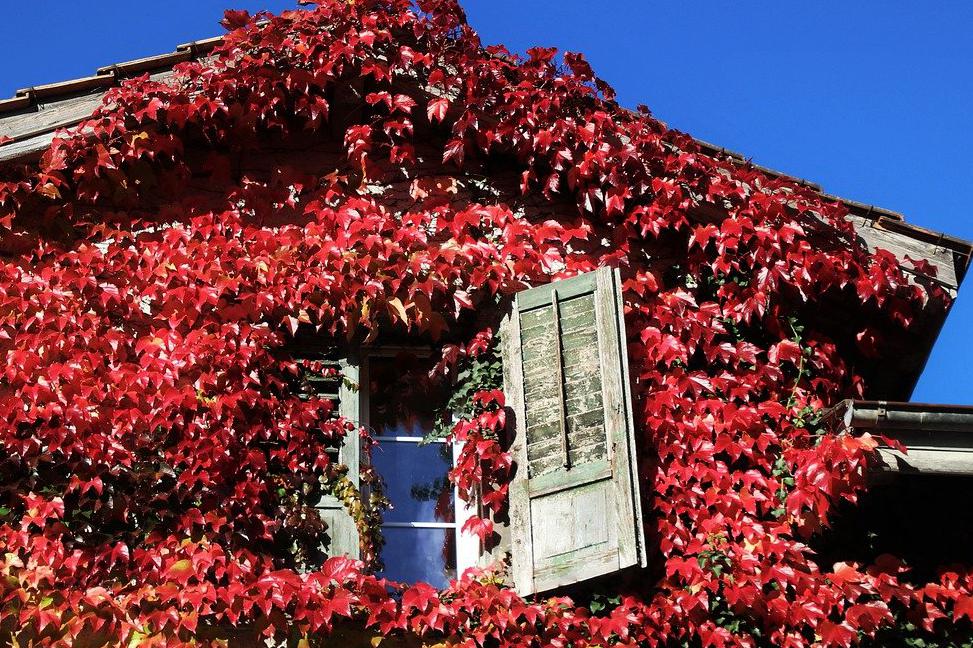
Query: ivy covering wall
(157, 467)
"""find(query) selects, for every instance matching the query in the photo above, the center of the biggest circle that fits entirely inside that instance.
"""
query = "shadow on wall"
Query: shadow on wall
(927, 521)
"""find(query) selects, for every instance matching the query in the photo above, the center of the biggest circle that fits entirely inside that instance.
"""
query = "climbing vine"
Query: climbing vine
(368, 170)
(476, 368)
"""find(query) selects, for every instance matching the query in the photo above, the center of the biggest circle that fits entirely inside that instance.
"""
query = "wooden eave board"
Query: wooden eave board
(33, 129)
(938, 438)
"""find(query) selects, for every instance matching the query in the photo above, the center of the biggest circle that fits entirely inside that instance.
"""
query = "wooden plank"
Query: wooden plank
(341, 526)
(540, 316)
(522, 552)
(576, 314)
(48, 117)
(588, 453)
(541, 351)
(25, 148)
(632, 447)
(559, 378)
(616, 424)
(570, 520)
(578, 421)
(927, 460)
(33, 129)
(545, 459)
(594, 449)
(579, 477)
(568, 288)
(874, 236)
(349, 393)
(574, 343)
(579, 531)
(569, 572)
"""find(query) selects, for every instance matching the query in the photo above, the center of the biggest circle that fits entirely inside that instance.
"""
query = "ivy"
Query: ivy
(482, 372)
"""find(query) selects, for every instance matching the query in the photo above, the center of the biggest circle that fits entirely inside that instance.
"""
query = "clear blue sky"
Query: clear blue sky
(871, 99)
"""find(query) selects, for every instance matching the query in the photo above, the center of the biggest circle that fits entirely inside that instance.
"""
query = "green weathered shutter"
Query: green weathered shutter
(343, 390)
(574, 501)
(342, 531)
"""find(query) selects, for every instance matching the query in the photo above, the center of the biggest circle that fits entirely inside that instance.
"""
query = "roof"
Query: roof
(32, 116)
(938, 439)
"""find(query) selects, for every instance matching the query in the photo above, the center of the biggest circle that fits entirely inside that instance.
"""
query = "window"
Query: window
(575, 509)
(423, 541)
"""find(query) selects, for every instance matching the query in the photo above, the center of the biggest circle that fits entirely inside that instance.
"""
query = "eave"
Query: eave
(938, 438)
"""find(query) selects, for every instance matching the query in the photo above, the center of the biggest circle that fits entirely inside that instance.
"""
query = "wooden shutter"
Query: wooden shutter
(574, 501)
(342, 531)
(341, 526)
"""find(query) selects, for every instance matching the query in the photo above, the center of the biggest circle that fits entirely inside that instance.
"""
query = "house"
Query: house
(622, 372)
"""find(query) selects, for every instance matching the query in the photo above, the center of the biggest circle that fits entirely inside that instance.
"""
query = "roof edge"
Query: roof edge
(893, 415)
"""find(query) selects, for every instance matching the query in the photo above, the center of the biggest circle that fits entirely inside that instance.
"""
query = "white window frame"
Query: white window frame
(467, 544)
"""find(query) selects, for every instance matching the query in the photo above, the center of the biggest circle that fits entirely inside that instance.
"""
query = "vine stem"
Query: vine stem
(792, 399)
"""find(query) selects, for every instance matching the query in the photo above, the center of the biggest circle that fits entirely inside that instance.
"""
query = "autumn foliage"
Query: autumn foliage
(158, 470)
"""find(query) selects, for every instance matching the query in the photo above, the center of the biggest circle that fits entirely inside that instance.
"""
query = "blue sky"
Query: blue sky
(869, 99)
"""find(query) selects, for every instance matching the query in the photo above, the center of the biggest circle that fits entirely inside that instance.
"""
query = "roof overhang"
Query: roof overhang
(938, 438)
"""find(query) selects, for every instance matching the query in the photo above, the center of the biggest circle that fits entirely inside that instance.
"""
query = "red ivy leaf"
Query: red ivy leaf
(235, 18)
(403, 103)
(480, 527)
(436, 110)
(963, 607)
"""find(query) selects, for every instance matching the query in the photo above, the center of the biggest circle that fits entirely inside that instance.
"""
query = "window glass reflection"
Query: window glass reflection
(413, 555)
(416, 480)
(402, 398)
(402, 406)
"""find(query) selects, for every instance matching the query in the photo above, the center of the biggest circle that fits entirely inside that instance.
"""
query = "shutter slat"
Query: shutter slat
(573, 499)
(559, 376)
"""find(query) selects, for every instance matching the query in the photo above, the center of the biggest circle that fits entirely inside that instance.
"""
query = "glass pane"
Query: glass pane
(402, 399)
(416, 480)
(414, 555)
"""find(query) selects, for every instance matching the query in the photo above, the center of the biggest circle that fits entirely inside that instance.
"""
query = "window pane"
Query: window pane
(414, 555)
(416, 480)
(402, 399)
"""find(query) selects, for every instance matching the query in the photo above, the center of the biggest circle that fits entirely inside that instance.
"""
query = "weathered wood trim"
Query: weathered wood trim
(567, 573)
(633, 473)
(938, 438)
(876, 235)
(566, 289)
(341, 527)
(613, 388)
(926, 460)
(22, 149)
(555, 482)
(349, 407)
(521, 550)
(559, 376)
